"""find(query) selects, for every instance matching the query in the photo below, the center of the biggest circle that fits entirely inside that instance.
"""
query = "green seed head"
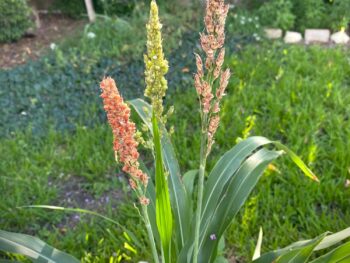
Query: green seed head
(155, 63)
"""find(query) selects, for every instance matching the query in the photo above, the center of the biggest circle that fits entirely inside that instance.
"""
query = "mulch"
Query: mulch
(54, 27)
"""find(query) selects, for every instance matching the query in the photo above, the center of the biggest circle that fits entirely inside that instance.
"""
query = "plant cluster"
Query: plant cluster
(277, 13)
(14, 19)
(302, 14)
(244, 24)
(76, 8)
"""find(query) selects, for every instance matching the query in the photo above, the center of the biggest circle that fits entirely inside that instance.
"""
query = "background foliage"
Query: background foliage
(301, 14)
(14, 19)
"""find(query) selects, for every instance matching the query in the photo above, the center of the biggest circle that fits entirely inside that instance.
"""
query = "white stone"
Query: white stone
(340, 37)
(293, 37)
(273, 33)
(317, 36)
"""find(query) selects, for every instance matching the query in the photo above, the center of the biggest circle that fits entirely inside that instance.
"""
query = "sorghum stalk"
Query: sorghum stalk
(125, 147)
(212, 44)
(156, 85)
(150, 233)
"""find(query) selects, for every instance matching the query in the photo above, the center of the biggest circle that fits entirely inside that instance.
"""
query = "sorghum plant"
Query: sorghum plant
(178, 230)
(184, 232)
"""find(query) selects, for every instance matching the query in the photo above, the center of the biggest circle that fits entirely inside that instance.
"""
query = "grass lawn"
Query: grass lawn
(298, 95)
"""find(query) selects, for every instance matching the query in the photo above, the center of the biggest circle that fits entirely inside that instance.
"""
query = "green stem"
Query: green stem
(202, 164)
(150, 234)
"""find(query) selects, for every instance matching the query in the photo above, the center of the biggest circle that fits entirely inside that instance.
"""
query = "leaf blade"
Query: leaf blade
(33, 248)
(164, 216)
(336, 255)
(181, 205)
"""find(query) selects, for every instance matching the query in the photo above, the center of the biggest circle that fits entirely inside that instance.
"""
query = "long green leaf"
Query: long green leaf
(180, 202)
(222, 172)
(33, 248)
(333, 239)
(295, 158)
(257, 251)
(188, 179)
(337, 255)
(326, 242)
(84, 211)
(302, 254)
(233, 198)
(164, 216)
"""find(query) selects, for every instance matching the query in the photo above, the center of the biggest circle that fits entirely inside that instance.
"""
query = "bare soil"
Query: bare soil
(54, 27)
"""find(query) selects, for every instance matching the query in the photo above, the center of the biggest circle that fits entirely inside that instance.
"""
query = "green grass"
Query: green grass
(72, 171)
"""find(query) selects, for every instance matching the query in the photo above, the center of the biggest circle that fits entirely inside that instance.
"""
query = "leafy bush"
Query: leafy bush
(14, 19)
(116, 7)
(277, 13)
(339, 16)
(311, 14)
(244, 24)
(72, 8)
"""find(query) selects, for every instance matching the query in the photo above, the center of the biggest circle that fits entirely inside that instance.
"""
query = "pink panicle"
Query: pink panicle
(125, 145)
(212, 42)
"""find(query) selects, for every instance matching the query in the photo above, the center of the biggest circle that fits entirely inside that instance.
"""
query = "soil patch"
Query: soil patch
(54, 27)
(73, 193)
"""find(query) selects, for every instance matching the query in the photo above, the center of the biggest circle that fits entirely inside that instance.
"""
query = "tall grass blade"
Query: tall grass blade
(333, 239)
(257, 251)
(84, 211)
(296, 159)
(232, 199)
(337, 255)
(300, 255)
(179, 198)
(326, 241)
(33, 248)
(164, 216)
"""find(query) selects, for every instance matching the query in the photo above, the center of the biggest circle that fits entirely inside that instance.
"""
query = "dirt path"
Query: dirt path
(53, 29)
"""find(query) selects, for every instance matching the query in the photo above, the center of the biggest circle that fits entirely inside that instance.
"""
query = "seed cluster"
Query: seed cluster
(124, 130)
(156, 64)
(212, 42)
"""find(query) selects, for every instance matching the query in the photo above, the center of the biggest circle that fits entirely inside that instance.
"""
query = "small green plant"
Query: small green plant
(277, 13)
(14, 19)
(117, 7)
(242, 23)
(339, 16)
(71, 8)
(311, 14)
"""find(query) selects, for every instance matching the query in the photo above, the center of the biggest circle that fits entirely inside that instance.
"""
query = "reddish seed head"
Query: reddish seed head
(124, 143)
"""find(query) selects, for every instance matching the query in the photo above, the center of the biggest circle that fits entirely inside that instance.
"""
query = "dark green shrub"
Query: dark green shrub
(277, 13)
(311, 14)
(339, 16)
(71, 8)
(244, 24)
(116, 7)
(14, 19)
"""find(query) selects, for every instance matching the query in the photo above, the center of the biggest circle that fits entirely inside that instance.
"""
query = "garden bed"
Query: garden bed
(53, 29)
